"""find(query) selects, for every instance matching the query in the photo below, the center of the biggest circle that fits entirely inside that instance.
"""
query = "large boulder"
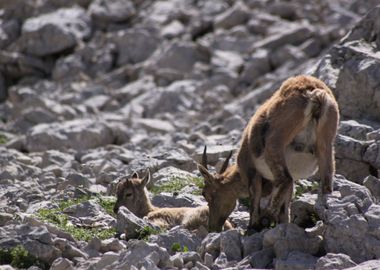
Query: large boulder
(54, 32)
(352, 69)
(77, 134)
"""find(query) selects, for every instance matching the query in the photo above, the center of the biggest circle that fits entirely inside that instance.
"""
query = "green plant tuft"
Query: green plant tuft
(3, 139)
(176, 247)
(19, 257)
(145, 232)
(61, 220)
(177, 183)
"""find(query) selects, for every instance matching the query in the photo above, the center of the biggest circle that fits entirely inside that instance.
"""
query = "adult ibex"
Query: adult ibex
(289, 137)
(132, 193)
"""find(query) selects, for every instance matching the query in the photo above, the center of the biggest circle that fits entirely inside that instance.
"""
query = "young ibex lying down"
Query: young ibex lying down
(289, 137)
(132, 193)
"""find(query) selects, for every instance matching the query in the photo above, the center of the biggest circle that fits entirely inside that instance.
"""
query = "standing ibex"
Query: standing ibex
(132, 193)
(289, 137)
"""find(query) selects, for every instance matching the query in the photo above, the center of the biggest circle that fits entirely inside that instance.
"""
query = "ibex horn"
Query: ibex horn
(225, 164)
(204, 157)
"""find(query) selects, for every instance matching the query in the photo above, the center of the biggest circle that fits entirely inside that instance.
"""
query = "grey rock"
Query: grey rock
(177, 260)
(334, 261)
(368, 265)
(287, 53)
(284, 10)
(230, 244)
(165, 175)
(373, 184)
(227, 60)
(296, 261)
(108, 258)
(18, 65)
(135, 45)
(374, 135)
(176, 235)
(77, 134)
(293, 35)
(62, 264)
(9, 32)
(4, 218)
(347, 188)
(214, 153)
(85, 209)
(257, 65)
(129, 224)
(200, 266)
(44, 252)
(173, 29)
(165, 199)
(262, 258)
(68, 250)
(155, 125)
(210, 245)
(302, 210)
(252, 244)
(354, 129)
(354, 82)
(113, 245)
(285, 238)
(208, 259)
(139, 253)
(372, 154)
(54, 32)
(354, 170)
(179, 57)
(76, 180)
(350, 148)
(238, 14)
(111, 11)
(346, 221)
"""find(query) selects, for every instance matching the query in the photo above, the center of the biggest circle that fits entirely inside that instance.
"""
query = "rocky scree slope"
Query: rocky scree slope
(92, 90)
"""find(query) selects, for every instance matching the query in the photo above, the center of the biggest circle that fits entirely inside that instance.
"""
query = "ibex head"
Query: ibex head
(219, 204)
(131, 193)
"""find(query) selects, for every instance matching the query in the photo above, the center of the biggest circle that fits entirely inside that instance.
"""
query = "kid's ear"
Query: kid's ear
(145, 181)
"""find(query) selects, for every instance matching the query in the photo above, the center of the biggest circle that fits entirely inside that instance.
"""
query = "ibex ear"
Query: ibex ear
(209, 178)
(135, 175)
(145, 181)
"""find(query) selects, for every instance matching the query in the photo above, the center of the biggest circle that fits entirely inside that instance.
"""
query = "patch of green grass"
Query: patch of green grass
(177, 183)
(107, 203)
(3, 139)
(19, 257)
(176, 247)
(145, 232)
(61, 220)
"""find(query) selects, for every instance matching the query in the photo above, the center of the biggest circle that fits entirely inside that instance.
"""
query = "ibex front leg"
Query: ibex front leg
(255, 191)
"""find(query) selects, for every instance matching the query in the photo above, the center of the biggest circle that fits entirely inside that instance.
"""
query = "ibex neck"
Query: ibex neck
(147, 206)
(235, 183)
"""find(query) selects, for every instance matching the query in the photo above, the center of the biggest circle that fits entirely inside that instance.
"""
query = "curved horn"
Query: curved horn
(225, 164)
(204, 157)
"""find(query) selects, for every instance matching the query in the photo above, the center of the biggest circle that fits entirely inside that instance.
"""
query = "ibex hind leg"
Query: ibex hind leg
(326, 132)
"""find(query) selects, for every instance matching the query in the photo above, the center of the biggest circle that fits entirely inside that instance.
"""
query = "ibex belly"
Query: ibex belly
(299, 155)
